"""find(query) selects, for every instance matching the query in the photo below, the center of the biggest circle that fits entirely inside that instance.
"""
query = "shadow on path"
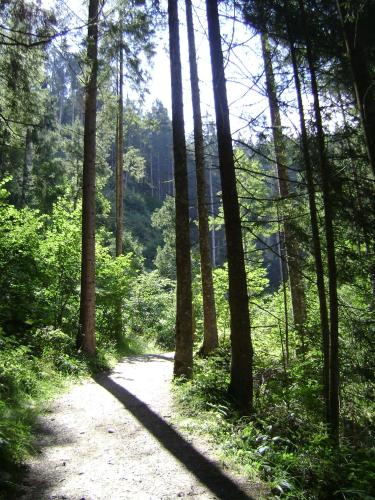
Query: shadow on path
(207, 472)
(134, 358)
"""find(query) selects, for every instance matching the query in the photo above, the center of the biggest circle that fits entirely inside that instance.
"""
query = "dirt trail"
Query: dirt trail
(112, 439)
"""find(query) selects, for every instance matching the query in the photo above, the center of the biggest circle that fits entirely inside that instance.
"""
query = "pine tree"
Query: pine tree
(210, 336)
(183, 364)
(86, 335)
(290, 251)
(241, 383)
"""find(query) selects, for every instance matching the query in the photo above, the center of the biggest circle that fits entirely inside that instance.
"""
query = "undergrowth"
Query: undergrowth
(32, 371)
(284, 442)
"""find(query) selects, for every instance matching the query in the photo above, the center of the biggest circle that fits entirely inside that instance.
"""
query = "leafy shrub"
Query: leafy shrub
(115, 280)
(20, 277)
(209, 387)
(284, 442)
(150, 310)
(60, 263)
(24, 379)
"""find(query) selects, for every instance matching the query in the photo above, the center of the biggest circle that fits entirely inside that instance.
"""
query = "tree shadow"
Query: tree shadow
(135, 358)
(25, 483)
(204, 470)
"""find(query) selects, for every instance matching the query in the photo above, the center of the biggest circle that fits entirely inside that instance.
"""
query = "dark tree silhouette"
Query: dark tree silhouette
(241, 384)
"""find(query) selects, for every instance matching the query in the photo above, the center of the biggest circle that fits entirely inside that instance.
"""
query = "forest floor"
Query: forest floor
(114, 437)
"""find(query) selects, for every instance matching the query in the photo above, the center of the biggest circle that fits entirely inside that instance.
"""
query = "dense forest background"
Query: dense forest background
(304, 190)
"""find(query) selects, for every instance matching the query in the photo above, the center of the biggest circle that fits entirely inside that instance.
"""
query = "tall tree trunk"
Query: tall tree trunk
(291, 248)
(151, 175)
(241, 384)
(73, 96)
(183, 363)
(27, 166)
(363, 83)
(120, 159)
(317, 247)
(284, 279)
(210, 338)
(326, 179)
(213, 236)
(331, 264)
(86, 335)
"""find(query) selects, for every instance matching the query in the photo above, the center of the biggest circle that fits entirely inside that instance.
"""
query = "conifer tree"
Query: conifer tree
(291, 250)
(183, 363)
(241, 383)
(86, 335)
(210, 336)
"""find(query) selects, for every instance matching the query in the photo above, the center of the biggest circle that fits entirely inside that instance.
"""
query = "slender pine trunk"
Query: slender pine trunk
(183, 362)
(326, 179)
(213, 236)
(86, 335)
(317, 247)
(241, 383)
(291, 250)
(120, 159)
(210, 336)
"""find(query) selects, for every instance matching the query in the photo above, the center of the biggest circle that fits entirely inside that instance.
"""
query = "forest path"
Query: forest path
(111, 438)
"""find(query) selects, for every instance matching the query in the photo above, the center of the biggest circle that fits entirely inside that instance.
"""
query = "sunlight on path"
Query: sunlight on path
(112, 439)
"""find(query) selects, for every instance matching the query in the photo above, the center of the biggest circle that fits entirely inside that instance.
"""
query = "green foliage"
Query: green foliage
(138, 210)
(164, 220)
(59, 261)
(25, 380)
(257, 284)
(209, 387)
(115, 282)
(19, 249)
(150, 311)
(41, 104)
(134, 164)
(40, 258)
(285, 442)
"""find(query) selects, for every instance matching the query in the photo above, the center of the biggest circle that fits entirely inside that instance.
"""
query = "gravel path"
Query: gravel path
(111, 438)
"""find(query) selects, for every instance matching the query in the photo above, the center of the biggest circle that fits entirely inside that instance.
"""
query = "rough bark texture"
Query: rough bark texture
(183, 362)
(319, 269)
(241, 384)
(120, 160)
(291, 248)
(210, 338)
(86, 334)
(363, 83)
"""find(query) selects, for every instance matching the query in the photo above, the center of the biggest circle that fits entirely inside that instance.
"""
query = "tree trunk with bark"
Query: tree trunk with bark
(291, 250)
(241, 384)
(120, 158)
(86, 335)
(326, 180)
(317, 247)
(210, 336)
(183, 363)
(213, 236)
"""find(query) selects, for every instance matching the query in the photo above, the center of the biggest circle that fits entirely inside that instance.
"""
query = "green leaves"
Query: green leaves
(150, 309)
